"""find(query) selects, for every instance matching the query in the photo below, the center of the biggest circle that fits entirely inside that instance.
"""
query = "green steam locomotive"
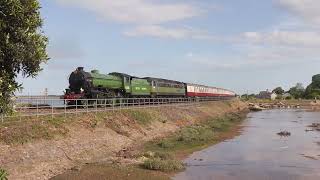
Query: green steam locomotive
(94, 85)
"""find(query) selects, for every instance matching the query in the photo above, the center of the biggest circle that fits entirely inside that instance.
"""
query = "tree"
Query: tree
(297, 91)
(22, 45)
(313, 90)
(278, 91)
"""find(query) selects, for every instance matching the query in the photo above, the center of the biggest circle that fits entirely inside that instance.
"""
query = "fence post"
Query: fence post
(51, 108)
(96, 106)
(105, 104)
(65, 108)
(37, 108)
(87, 105)
(112, 104)
(76, 107)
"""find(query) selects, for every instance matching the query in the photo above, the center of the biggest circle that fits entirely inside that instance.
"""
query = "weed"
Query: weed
(21, 133)
(163, 165)
(142, 117)
(3, 174)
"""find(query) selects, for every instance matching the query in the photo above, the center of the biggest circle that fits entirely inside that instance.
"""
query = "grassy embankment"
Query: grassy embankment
(164, 154)
(29, 129)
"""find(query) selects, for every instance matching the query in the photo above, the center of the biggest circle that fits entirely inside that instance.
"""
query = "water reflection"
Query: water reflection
(259, 153)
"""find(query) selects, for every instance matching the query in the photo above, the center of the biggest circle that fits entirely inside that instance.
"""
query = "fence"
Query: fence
(34, 107)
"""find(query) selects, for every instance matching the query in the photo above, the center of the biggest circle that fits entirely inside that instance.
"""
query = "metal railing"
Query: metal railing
(25, 107)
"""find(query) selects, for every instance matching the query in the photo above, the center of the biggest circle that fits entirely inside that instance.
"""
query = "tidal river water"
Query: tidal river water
(259, 153)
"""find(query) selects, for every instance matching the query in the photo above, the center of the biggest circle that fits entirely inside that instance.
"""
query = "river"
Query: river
(259, 153)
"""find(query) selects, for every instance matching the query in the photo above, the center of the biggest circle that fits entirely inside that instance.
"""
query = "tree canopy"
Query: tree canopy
(313, 90)
(278, 91)
(22, 45)
(297, 91)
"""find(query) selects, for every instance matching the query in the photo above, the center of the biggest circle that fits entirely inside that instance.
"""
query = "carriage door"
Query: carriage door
(127, 84)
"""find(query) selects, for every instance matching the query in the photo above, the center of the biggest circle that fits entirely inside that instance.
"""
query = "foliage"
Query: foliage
(22, 45)
(313, 90)
(297, 91)
(163, 165)
(248, 96)
(142, 117)
(3, 174)
(278, 91)
(288, 98)
(162, 161)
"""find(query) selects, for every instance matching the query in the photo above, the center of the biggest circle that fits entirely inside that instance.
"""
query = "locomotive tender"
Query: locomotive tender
(94, 85)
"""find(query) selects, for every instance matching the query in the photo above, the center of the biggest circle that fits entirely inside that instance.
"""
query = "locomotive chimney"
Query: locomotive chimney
(80, 68)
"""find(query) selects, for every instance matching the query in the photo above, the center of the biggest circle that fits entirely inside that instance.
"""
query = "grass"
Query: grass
(161, 161)
(163, 165)
(141, 116)
(3, 174)
(195, 137)
(23, 130)
(27, 131)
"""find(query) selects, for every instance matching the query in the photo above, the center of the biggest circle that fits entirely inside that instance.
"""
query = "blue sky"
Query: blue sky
(245, 45)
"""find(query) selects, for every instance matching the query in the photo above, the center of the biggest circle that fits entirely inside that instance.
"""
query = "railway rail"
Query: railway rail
(34, 107)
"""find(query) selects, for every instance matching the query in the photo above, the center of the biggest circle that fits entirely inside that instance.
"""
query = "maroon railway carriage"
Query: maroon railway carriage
(195, 90)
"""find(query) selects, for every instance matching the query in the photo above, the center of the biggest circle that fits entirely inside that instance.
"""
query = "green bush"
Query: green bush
(3, 174)
(160, 155)
(197, 133)
(163, 165)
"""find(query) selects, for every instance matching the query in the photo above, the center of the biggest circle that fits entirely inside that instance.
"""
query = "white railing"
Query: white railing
(34, 107)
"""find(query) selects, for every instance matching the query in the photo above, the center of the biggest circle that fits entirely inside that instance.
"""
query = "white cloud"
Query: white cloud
(64, 48)
(284, 38)
(307, 9)
(136, 11)
(165, 32)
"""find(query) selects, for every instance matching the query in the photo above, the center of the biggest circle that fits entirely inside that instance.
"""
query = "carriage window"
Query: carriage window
(126, 79)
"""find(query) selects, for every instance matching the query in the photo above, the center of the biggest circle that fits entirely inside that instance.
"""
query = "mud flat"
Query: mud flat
(44, 148)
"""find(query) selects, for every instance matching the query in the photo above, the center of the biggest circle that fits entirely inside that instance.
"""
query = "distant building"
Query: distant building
(267, 95)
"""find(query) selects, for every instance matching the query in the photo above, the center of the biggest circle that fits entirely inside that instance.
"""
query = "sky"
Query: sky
(245, 46)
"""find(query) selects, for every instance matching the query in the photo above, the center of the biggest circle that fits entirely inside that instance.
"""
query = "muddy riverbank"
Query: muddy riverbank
(44, 148)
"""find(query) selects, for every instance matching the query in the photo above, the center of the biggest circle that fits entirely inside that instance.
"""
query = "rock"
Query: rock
(284, 133)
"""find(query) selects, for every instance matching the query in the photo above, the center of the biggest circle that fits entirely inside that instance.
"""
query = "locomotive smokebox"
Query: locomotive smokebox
(78, 80)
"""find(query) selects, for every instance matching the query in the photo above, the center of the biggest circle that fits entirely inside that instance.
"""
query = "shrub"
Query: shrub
(160, 155)
(195, 134)
(3, 174)
(163, 165)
